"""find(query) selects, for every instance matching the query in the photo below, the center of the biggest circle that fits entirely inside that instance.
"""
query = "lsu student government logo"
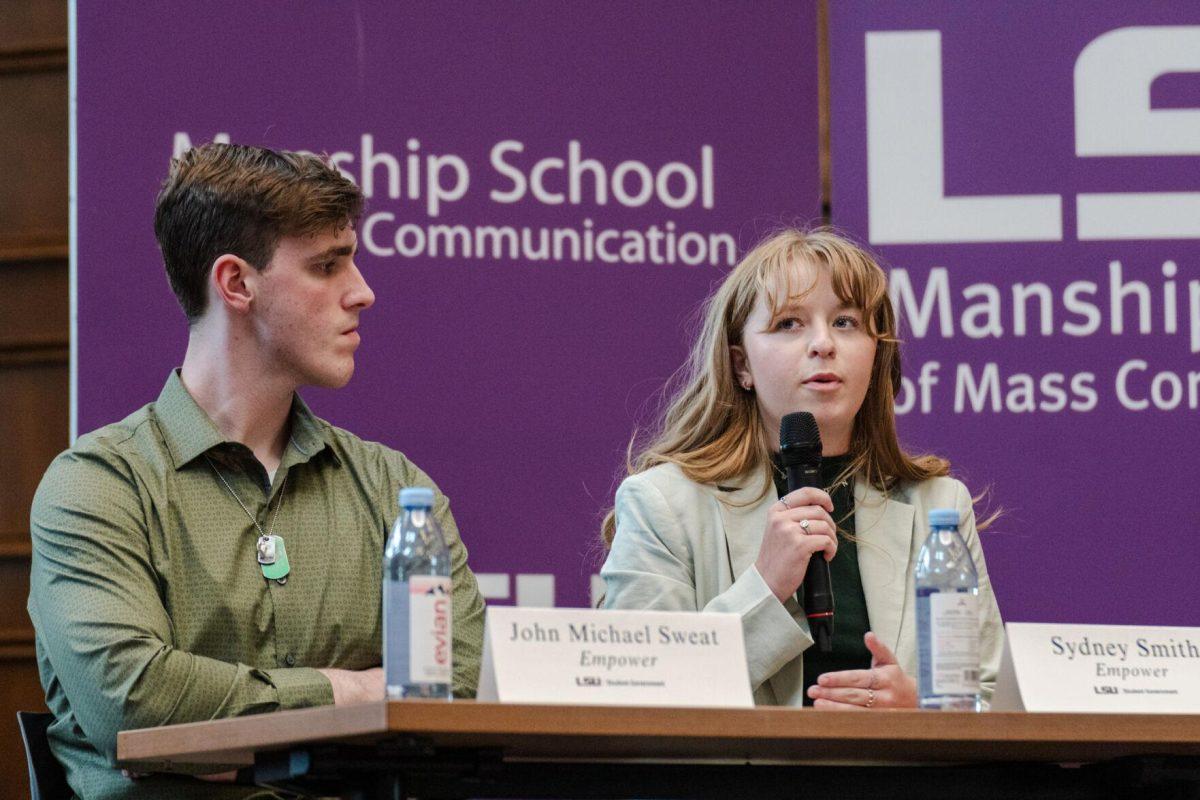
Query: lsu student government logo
(906, 197)
(1105, 690)
(587, 680)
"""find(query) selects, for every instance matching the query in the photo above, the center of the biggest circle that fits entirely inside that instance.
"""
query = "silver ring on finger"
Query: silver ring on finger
(804, 525)
(785, 505)
(870, 698)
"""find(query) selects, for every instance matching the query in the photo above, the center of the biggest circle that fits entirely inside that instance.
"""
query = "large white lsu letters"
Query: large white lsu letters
(1113, 117)
(906, 197)
(1113, 75)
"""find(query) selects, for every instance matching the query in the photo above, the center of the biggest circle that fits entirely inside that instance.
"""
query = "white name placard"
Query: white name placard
(1099, 669)
(635, 658)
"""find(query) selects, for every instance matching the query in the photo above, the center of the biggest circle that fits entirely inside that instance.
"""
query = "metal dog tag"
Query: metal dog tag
(272, 557)
(266, 549)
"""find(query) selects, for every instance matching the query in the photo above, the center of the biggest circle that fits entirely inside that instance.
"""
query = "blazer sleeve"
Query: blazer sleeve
(653, 565)
(991, 642)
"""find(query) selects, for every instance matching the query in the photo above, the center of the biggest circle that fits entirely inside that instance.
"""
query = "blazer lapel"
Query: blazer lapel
(884, 528)
(744, 513)
(745, 517)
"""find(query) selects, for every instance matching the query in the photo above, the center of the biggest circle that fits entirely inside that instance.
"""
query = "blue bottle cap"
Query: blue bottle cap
(416, 497)
(943, 517)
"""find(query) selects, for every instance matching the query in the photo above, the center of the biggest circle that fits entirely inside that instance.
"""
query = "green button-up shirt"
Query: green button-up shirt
(150, 605)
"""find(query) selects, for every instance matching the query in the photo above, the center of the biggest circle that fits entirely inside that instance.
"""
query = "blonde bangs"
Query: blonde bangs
(855, 278)
(862, 284)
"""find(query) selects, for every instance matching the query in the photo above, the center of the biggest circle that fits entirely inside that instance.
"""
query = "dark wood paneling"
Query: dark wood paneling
(34, 303)
(34, 327)
(15, 545)
(33, 150)
(19, 691)
(15, 627)
(33, 428)
(45, 245)
(19, 686)
(48, 56)
(25, 21)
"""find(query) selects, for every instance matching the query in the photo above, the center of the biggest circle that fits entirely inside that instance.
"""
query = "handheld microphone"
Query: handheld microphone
(800, 449)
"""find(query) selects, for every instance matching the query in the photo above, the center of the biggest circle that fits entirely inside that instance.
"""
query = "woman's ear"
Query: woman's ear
(741, 367)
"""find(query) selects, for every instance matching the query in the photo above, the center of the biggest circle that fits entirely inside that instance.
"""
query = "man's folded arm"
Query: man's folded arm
(101, 623)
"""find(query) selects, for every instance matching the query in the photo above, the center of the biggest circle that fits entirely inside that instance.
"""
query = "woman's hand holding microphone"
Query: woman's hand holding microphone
(798, 526)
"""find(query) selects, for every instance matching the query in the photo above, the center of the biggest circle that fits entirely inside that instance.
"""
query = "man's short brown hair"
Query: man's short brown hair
(228, 198)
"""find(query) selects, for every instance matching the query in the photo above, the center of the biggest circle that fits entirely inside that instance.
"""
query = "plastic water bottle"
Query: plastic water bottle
(416, 603)
(947, 617)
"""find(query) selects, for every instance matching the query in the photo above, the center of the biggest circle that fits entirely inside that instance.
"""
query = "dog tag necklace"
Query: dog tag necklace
(270, 549)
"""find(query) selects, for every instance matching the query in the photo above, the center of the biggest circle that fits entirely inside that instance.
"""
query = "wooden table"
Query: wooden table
(467, 749)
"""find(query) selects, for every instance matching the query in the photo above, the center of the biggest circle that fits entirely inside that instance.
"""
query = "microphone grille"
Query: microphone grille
(799, 430)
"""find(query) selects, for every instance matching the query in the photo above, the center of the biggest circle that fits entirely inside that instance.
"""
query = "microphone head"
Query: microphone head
(799, 437)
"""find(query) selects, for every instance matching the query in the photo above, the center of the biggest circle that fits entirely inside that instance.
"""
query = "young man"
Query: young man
(147, 593)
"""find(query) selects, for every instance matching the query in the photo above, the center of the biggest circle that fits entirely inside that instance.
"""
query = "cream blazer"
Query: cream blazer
(685, 546)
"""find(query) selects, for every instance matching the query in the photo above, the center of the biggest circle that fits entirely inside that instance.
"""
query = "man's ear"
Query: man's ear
(741, 366)
(233, 282)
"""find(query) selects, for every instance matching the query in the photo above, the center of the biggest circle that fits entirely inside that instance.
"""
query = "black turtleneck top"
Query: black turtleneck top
(849, 603)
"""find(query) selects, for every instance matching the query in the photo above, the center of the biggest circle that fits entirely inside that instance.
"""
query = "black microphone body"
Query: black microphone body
(800, 450)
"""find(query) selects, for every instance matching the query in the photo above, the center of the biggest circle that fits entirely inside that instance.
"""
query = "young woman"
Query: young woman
(704, 520)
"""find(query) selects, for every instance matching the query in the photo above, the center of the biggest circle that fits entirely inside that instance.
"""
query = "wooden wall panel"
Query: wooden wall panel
(33, 428)
(34, 327)
(18, 683)
(33, 149)
(15, 627)
(33, 21)
(34, 303)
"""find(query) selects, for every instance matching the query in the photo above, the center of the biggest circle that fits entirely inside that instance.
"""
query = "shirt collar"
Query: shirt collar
(189, 432)
(309, 434)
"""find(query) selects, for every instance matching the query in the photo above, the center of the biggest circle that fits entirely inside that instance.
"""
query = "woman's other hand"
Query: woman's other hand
(884, 685)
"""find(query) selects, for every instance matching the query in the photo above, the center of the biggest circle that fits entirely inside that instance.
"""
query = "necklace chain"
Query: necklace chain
(282, 488)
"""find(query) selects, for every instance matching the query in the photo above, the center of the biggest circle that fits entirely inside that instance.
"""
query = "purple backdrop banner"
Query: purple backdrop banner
(1031, 173)
(552, 189)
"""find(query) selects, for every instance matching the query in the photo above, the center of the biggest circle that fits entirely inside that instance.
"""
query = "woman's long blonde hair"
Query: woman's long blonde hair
(711, 427)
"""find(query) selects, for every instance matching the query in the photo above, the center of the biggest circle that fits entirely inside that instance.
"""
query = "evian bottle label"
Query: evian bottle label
(954, 637)
(429, 629)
